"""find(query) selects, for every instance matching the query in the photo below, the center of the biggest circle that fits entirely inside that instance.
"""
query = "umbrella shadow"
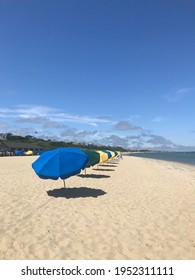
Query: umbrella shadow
(76, 192)
(104, 169)
(108, 165)
(97, 176)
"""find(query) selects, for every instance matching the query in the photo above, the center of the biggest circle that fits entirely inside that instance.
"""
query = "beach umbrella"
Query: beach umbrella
(108, 152)
(60, 163)
(19, 152)
(28, 153)
(94, 158)
(112, 154)
(103, 156)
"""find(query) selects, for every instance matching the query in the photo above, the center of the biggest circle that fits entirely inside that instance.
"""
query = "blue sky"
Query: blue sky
(117, 72)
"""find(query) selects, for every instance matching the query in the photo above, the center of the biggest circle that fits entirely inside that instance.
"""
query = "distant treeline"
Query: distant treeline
(52, 144)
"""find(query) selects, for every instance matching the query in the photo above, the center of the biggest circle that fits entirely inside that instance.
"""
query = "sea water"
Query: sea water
(182, 157)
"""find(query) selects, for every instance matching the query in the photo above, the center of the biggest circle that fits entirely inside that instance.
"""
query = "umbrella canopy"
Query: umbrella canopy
(29, 153)
(94, 157)
(112, 153)
(19, 152)
(108, 152)
(60, 163)
(103, 156)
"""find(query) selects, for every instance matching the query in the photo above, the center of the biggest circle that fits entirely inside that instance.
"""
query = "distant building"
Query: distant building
(12, 146)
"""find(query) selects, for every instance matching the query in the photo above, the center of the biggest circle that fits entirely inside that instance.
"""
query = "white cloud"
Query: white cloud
(158, 119)
(76, 135)
(94, 121)
(184, 91)
(4, 126)
(31, 114)
(178, 95)
(33, 120)
(134, 117)
(53, 123)
(125, 125)
(159, 140)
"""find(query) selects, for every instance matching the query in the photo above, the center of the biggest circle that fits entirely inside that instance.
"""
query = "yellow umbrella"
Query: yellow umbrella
(29, 153)
(112, 153)
(103, 156)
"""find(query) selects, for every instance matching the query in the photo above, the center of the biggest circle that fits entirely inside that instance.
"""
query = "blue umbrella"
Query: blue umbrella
(19, 152)
(60, 163)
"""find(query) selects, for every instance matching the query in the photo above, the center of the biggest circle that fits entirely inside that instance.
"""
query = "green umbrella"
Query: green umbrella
(35, 152)
(94, 157)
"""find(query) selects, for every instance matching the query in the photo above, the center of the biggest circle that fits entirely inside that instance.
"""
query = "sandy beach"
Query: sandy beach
(134, 208)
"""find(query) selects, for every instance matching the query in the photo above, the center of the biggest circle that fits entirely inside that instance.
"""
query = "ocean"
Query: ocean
(182, 157)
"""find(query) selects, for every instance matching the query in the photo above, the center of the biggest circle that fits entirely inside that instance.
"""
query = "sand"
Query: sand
(135, 209)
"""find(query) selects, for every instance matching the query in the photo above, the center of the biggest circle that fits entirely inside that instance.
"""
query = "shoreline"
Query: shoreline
(176, 164)
(161, 159)
(135, 208)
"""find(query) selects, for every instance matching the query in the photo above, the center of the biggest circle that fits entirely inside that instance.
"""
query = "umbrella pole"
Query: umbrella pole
(85, 171)
(64, 183)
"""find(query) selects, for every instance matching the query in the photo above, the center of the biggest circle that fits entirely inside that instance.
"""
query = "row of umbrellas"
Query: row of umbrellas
(66, 162)
(20, 153)
(28, 153)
